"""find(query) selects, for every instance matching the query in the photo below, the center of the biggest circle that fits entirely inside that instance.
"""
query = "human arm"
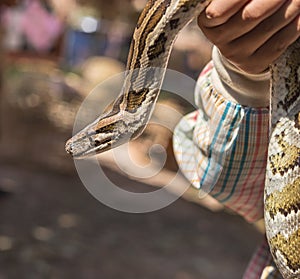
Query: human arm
(222, 147)
(248, 36)
(251, 34)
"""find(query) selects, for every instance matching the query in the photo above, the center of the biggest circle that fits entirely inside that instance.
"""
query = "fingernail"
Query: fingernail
(208, 15)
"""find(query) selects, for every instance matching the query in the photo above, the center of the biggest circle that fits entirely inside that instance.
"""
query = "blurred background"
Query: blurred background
(53, 53)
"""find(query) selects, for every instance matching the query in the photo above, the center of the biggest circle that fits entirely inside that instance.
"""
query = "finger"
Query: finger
(238, 25)
(227, 32)
(265, 30)
(278, 44)
(257, 9)
(234, 28)
(219, 11)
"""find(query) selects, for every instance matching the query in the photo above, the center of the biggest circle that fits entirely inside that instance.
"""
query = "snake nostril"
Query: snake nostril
(69, 148)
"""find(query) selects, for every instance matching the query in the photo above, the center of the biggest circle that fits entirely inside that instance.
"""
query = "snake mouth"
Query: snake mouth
(80, 148)
(87, 147)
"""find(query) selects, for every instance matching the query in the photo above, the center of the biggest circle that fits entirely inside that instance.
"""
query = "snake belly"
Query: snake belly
(155, 33)
(282, 189)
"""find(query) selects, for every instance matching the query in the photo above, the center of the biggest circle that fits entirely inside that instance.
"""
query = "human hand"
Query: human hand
(251, 34)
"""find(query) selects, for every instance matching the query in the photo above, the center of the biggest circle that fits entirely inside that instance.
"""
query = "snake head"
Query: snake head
(101, 136)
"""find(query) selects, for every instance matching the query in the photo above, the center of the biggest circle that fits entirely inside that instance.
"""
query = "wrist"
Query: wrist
(250, 90)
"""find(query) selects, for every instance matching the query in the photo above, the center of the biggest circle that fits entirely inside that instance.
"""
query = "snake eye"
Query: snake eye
(97, 143)
(103, 142)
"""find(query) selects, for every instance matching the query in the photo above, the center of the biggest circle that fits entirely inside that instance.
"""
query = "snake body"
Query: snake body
(282, 188)
(155, 33)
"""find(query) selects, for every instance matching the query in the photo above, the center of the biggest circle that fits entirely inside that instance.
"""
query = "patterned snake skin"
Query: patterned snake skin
(156, 30)
(282, 189)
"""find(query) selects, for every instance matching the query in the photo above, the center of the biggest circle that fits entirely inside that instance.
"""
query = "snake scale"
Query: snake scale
(155, 33)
